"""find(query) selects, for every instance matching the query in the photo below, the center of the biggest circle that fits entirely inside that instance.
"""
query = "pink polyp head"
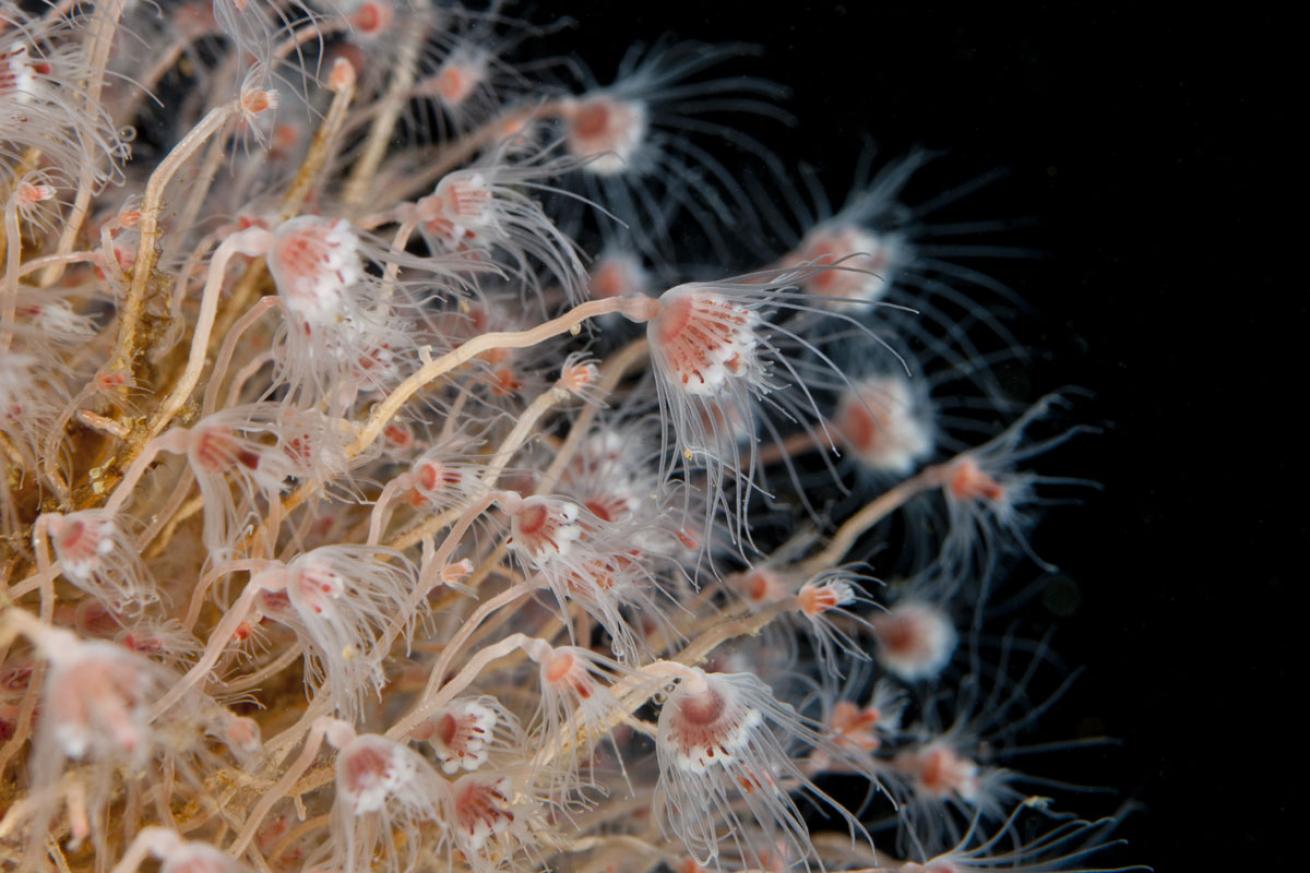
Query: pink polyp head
(877, 421)
(703, 339)
(618, 275)
(18, 74)
(459, 77)
(866, 260)
(545, 528)
(760, 586)
(216, 449)
(372, 18)
(707, 726)
(433, 478)
(461, 209)
(81, 542)
(579, 375)
(565, 670)
(940, 771)
(314, 586)
(96, 702)
(369, 770)
(241, 733)
(314, 261)
(611, 507)
(607, 130)
(970, 482)
(855, 727)
(29, 194)
(915, 640)
(195, 19)
(460, 735)
(816, 599)
(481, 809)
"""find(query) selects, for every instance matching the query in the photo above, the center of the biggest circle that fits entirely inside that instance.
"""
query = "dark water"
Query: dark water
(1143, 143)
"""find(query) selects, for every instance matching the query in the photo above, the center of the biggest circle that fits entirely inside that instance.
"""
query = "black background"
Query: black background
(1146, 146)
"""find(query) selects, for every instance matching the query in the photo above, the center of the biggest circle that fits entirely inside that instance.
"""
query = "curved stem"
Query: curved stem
(193, 506)
(452, 649)
(46, 575)
(248, 242)
(634, 690)
(458, 683)
(886, 503)
(207, 581)
(523, 429)
(156, 841)
(342, 78)
(173, 441)
(398, 243)
(611, 373)
(452, 155)
(104, 24)
(13, 259)
(438, 367)
(41, 263)
(378, 517)
(224, 360)
(257, 678)
(633, 309)
(393, 102)
(279, 789)
(161, 520)
(50, 461)
(148, 227)
(218, 640)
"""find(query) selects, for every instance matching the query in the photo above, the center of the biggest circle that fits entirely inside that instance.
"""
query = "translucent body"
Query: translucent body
(96, 555)
(343, 602)
(721, 747)
(881, 421)
(314, 263)
(383, 788)
(730, 360)
(915, 640)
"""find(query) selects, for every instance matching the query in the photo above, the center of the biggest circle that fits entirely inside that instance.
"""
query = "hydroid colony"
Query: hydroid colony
(381, 491)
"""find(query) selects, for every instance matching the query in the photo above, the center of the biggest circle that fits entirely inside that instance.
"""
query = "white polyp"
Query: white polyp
(915, 640)
(195, 857)
(760, 586)
(80, 545)
(618, 274)
(545, 529)
(461, 734)
(98, 557)
(481, 810)
(371, 19)
(370, 769)
(703, 339)
(867, 261)
(879, 422)
(461, 209)
(705, 724)
(314, 261)
(21, 75)
(607, 130)
(940, 771)
(578, 375)
(459, 76)
(815, 599)
(96, 700)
